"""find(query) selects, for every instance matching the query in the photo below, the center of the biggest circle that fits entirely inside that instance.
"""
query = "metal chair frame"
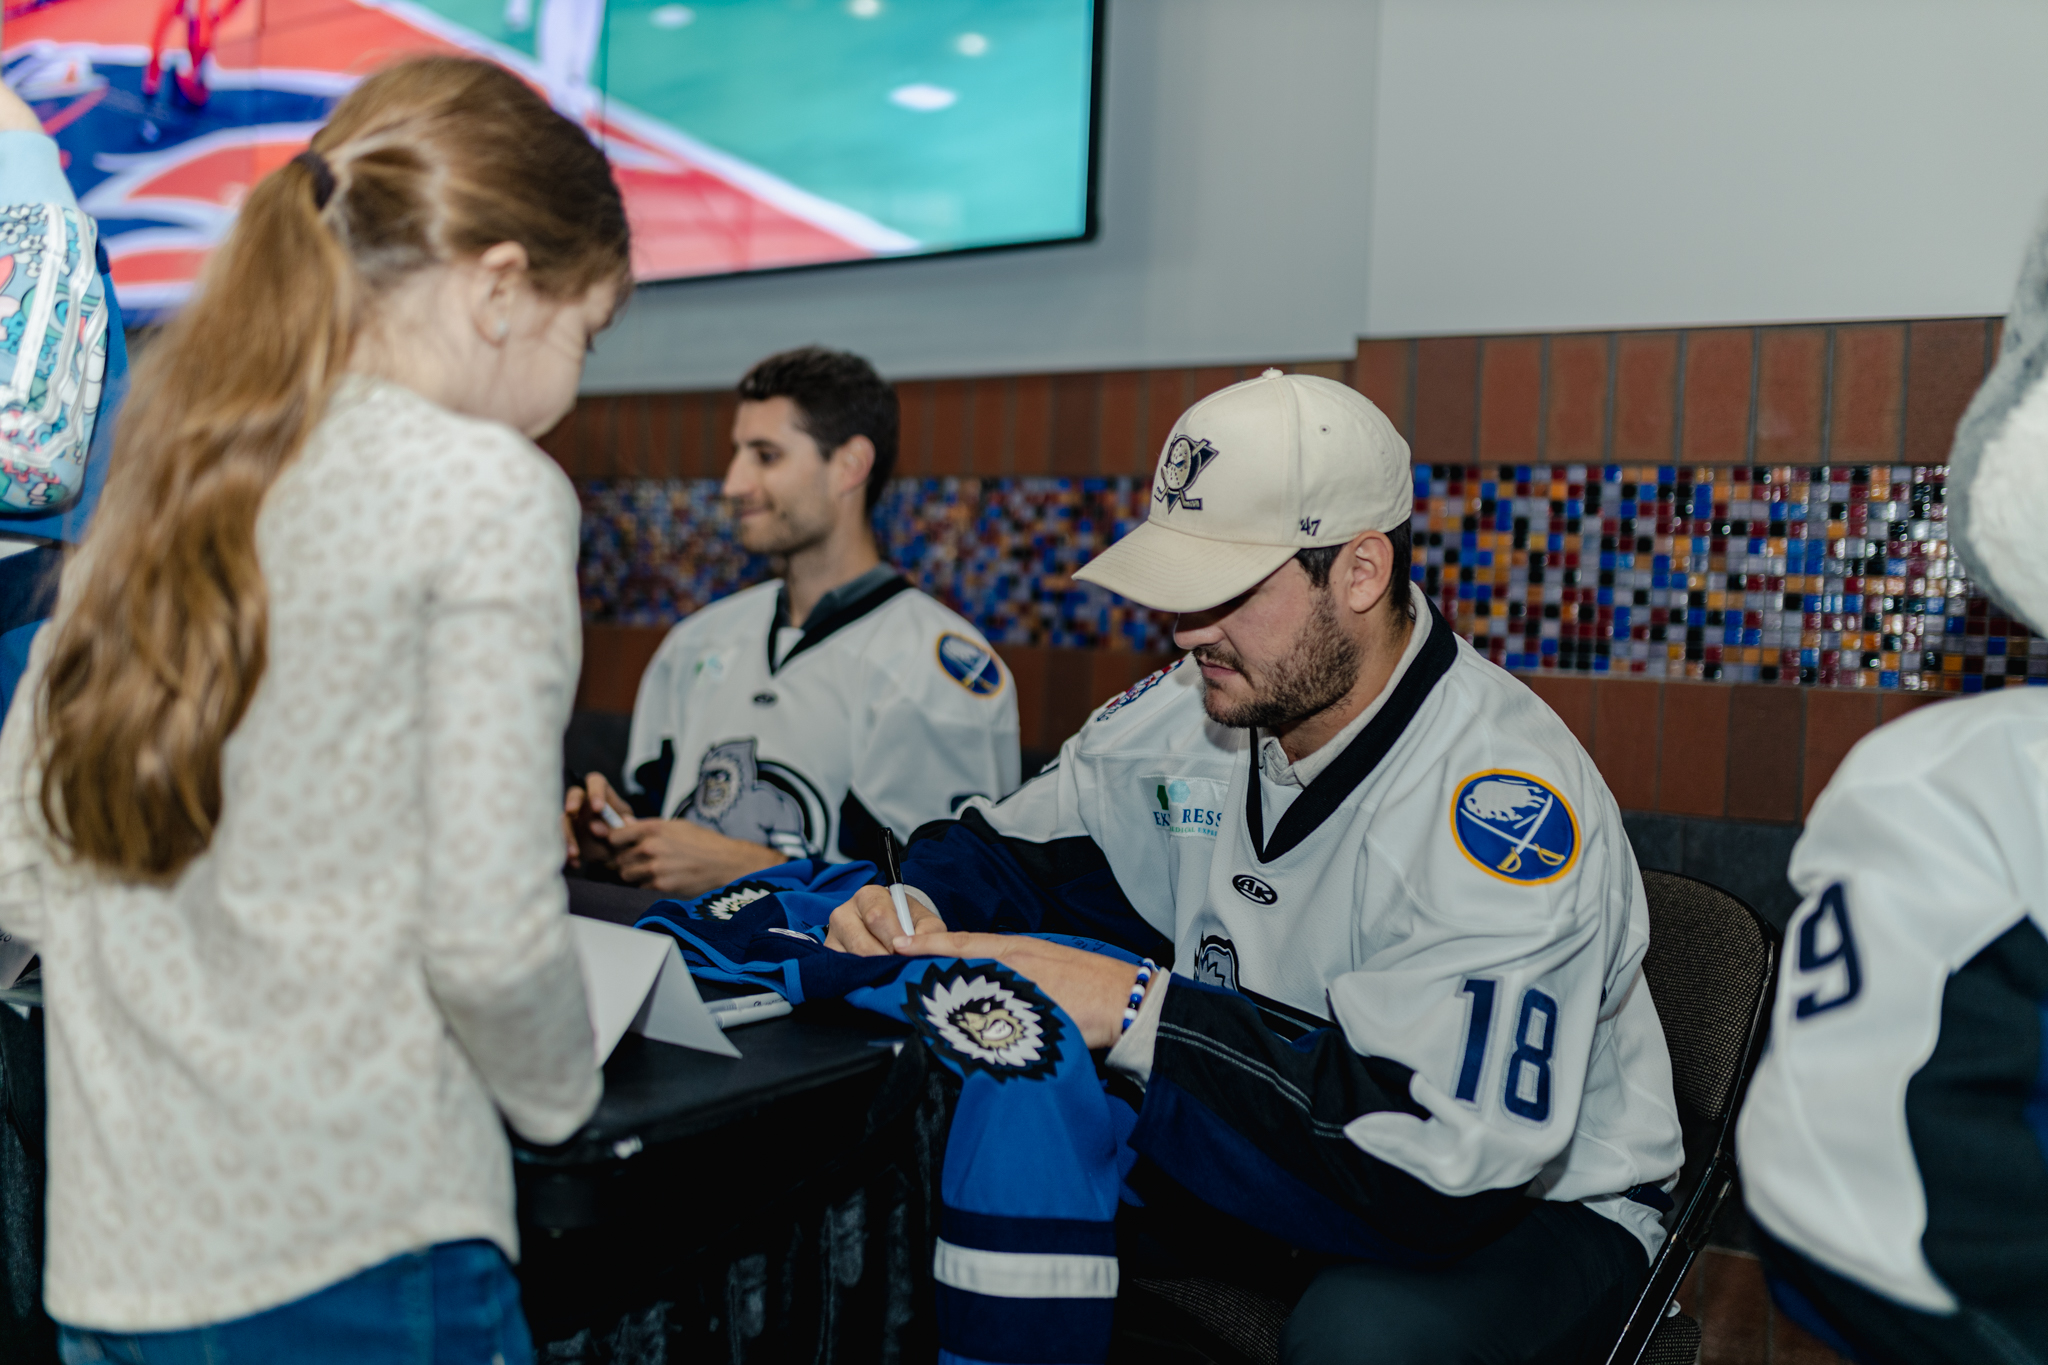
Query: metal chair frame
(1699, 1203)
(1688, 1235)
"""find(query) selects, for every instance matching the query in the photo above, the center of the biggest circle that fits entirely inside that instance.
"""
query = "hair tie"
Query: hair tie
(323, 177)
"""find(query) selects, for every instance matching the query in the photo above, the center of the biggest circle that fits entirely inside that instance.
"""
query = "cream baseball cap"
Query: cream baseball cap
(1251, 474)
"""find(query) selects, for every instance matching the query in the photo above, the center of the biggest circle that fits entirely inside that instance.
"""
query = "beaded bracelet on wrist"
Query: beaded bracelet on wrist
(1137, 1000)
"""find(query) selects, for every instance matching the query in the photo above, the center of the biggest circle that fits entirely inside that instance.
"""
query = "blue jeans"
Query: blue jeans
(453, 1304)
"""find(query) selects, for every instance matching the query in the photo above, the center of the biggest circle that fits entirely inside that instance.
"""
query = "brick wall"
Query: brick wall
(1850, 393)
(1847, 393)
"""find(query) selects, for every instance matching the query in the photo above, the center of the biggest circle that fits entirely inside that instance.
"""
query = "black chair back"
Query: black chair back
(1711, 968)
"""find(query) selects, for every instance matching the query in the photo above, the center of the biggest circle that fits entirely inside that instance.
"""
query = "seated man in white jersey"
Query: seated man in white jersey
(1405, 1040)
(803, 716)
(1894, 1144)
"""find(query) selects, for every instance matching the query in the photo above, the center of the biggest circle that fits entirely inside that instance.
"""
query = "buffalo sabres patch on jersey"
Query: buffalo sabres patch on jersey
(971, 665)
(986, 1018)
(1515, 826)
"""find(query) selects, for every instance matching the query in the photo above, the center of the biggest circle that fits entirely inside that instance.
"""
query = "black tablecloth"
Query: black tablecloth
(26, 1335)
(782, 1213)
(778, 1207)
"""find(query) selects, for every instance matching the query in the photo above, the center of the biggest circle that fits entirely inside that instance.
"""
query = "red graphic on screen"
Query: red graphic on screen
(166, 111)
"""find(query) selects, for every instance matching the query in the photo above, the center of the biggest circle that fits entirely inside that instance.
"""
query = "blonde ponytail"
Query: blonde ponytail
(162, 646)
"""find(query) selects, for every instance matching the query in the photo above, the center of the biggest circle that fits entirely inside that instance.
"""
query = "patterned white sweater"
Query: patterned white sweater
(289, 1066)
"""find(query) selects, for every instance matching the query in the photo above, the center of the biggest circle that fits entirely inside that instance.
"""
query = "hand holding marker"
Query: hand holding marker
(896, 881)
(737, 1010)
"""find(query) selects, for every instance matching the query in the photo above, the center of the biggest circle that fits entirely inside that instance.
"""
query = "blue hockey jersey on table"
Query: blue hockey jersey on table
(1025, 1265)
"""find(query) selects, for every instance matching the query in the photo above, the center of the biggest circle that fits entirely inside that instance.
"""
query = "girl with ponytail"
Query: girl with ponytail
(278, 791)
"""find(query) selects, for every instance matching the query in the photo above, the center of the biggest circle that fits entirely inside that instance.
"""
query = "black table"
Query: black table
(809, 1071)
(773, 1206)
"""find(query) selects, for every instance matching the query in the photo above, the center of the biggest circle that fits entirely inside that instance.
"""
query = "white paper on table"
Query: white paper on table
(638, 981)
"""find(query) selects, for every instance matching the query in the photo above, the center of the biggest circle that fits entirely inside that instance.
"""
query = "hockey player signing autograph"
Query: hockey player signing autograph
(1405, 1030)
(799, 718)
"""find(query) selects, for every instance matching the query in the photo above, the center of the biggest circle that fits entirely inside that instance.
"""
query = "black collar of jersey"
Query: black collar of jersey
(820, 628)
(1360, 756)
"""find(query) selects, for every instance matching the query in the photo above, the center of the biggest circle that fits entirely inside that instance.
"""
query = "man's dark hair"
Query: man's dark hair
(1317, 562)
(838, 396)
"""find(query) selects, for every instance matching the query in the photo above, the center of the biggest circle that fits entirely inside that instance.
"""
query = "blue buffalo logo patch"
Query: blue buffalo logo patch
(971, 665)
(1515, 827)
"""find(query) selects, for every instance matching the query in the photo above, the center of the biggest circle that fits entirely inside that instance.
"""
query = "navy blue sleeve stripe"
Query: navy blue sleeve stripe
(1022, 1331)
(1227, 1091)
(998, 1232)
(981, 879)
(1256, 1070)
(1221, 1167)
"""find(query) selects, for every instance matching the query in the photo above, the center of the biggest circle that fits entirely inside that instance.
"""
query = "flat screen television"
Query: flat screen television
(747, 135)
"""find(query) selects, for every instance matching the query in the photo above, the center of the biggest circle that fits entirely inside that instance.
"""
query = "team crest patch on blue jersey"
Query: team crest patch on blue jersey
(987, 1018)
(1514, 826)
(970, 665)
(1136, 690)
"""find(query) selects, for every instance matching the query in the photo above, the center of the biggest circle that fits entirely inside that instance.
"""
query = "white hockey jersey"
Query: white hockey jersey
(1449, 914)
(887, 710)
(1896, 1131)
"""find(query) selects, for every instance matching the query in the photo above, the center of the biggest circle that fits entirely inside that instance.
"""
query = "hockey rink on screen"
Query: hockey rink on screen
(164, 170)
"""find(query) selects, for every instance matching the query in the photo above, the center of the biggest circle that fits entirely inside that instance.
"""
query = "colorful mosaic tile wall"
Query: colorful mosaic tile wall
(1742, 504)
(1837, 576)
(1001, 552)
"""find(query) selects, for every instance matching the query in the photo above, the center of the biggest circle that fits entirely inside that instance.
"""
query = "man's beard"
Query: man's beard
(784, 534)
(1312, 677)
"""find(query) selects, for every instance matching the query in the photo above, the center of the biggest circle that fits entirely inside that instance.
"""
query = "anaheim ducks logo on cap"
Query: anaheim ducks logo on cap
(1185, 460)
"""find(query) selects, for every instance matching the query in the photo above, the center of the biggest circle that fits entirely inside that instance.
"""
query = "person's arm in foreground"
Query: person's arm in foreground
(22, 850)
(502, 658)
(53, 320)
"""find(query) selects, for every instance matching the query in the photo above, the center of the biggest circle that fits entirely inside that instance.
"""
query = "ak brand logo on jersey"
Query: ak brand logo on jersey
(1186, 813)
(1515, 827)
(970, 665)
(1185, 460)
(987, 1018)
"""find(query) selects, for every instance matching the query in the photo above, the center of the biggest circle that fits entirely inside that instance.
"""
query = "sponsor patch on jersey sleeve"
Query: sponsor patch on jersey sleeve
(730, 900)
(1515, 827)
(987, 1018)
(1136, 690)
(971, 665)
